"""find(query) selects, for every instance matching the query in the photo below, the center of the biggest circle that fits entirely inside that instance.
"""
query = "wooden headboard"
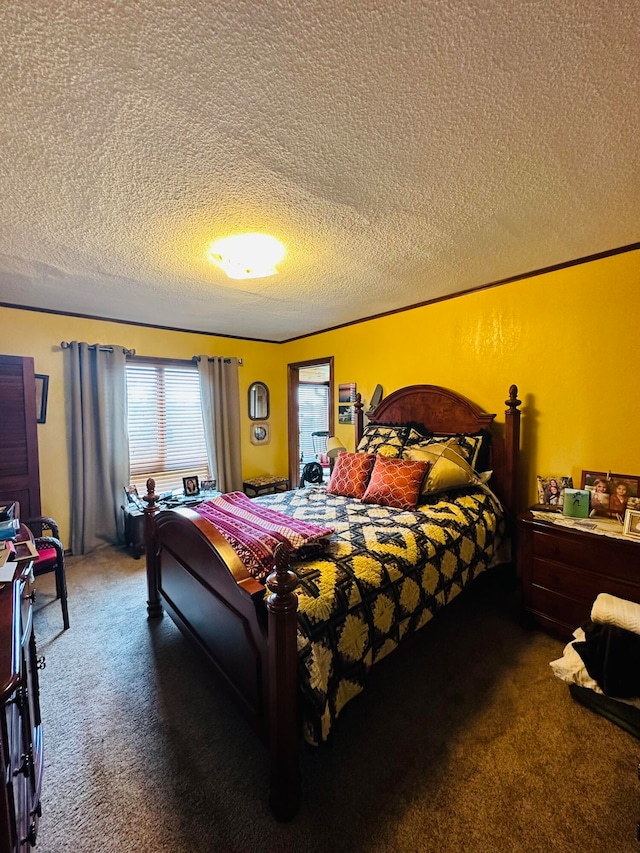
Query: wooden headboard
(445, 411)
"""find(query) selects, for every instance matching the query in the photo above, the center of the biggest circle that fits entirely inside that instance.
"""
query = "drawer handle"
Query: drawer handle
(25, 766)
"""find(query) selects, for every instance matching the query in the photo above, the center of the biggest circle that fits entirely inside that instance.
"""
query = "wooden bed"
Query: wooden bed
(195, 575)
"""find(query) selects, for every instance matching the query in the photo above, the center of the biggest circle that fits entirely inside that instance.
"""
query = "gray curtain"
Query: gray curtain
(99, 445)
(220, 393)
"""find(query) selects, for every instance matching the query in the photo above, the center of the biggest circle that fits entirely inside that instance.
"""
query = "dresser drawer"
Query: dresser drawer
(579, 584)
(567, 612)
(591, 552)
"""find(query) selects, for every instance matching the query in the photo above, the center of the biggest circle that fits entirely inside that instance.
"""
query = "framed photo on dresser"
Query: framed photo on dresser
(632, 523)
(551, 492)
(611, 494)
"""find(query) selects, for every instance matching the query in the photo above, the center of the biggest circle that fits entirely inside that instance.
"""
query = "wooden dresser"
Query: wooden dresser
(563, 571)
(20, 725)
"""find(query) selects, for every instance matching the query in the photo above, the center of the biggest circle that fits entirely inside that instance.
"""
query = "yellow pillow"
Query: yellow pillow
(449, 470)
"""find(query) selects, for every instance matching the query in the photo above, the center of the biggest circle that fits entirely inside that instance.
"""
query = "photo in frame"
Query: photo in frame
(42, 393)
(551, 491)
(347, 392)
(346, 399)
(346, 414)
(191, 485)
(133, 498)
(260, 433)
(611, 494)
(632, 523)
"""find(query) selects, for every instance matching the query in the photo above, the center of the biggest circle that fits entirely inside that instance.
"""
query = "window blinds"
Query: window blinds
(166, 433)
(313, 416)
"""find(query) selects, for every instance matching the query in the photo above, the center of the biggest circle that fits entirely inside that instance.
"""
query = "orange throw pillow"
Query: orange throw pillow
(351, 474)
(396, 482)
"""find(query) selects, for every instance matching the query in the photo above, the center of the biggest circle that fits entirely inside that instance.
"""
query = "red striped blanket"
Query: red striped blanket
(254, 531)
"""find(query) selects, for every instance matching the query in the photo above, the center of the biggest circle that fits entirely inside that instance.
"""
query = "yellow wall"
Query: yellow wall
(30, 333)
(567, 339)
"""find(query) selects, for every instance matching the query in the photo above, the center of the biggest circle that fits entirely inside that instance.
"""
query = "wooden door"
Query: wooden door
(19, 465)
(293, 412)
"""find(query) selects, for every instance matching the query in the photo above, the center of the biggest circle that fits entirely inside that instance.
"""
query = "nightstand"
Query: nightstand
(563, 571)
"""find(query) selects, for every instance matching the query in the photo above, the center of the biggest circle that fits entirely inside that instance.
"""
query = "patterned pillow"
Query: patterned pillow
(386, 440)
(396, 482)
(417, 434)
(468, 445)
(449, 470)
(351, 474)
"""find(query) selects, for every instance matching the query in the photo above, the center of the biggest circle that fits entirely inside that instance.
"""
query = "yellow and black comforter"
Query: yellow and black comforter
(385, 573)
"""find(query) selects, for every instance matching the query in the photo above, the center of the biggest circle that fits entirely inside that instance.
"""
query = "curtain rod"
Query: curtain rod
(66, 345)
(225, 359)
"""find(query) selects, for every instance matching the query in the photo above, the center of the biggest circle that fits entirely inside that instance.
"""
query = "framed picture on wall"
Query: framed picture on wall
(260, 433)
(42, 392)
(346, 414)
(347, 392)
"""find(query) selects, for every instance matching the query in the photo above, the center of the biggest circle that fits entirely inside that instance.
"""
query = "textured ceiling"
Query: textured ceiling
(401, 151)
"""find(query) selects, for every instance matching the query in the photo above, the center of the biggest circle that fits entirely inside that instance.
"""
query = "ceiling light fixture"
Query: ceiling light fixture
(247, 255)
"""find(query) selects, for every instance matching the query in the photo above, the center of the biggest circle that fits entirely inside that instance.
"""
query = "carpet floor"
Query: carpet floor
(463, 741)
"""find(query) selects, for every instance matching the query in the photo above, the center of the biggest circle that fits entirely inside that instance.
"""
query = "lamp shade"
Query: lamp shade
(334, 447)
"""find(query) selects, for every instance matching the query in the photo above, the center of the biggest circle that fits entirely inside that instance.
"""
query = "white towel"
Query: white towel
(609, 610)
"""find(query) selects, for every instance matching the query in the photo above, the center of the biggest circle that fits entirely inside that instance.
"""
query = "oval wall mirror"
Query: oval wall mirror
(258, 401)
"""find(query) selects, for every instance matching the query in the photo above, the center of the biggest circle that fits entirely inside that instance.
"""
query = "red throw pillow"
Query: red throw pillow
(351, 474)
(395, 482)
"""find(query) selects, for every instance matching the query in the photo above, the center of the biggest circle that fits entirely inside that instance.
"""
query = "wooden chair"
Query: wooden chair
(50, 557)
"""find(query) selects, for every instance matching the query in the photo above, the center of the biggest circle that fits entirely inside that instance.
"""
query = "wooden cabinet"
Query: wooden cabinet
(563, 571)
(20, 724)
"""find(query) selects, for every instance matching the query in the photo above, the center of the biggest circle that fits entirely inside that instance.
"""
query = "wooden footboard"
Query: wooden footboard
(202, 584)
(249, 637)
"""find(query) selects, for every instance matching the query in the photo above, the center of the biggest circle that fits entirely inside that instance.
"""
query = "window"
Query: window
(166, 433)
(313, 416)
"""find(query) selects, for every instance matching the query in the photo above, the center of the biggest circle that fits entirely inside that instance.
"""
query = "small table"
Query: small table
(266, 485)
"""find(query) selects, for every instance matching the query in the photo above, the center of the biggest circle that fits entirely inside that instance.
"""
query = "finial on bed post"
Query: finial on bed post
(512, 448)
(154, 608)
(282, 606)
(359, 418)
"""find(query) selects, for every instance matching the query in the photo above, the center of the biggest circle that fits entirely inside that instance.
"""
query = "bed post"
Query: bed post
(512, 449)
(154, 608)
(282, 606)
(359, 419)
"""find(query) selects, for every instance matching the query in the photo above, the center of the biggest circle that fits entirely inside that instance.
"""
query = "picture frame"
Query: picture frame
(347, 392)
(260, 433)
(551, 492)
(208, 485)
(42, 393)
(632, 523)
(346, 400)
(24, 550)
(132, 496)
(191, 486)
(611, 493)
(346, 414)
